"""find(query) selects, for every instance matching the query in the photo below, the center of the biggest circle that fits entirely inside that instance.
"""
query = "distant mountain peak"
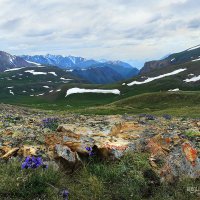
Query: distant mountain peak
(8, 61)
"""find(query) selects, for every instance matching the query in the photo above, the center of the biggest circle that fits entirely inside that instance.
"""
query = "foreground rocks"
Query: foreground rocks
(172, 152)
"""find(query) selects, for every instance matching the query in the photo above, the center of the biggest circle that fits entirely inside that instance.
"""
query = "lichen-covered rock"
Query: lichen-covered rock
(10, 153)
(173, 153)
(67, 158)
(179, 164)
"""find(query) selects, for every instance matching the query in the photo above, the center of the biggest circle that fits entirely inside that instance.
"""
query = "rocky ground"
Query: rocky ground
(173, 144)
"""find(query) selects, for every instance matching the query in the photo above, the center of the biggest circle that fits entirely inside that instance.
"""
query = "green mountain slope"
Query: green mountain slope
(173, 59)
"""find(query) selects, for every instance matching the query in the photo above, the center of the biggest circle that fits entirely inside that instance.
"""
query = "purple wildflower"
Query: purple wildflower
(88, 148)
(167, 117)
(65, 194)
(90, 151)
(32, 163)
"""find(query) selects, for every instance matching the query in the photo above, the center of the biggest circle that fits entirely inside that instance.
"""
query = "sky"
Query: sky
(129, 30)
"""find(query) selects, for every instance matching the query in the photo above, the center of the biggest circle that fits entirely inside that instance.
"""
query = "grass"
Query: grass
(130, 178)
(180, 104)
(26, 184)
(192, 134)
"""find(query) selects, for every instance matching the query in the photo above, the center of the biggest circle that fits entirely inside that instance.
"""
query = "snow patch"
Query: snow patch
(192, 48)
(13, 69)
(193, 79)
(33, 63)
(53, 73)
(174, 90)
(40, 94)
(157, 77)
(65, 79)
(58, 90)
(36, 73)
(198, 59)
(80, 90)
(11, 92)
(45, 86)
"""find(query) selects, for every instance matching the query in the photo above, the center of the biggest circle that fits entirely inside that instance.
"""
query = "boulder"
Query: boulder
(68, 159)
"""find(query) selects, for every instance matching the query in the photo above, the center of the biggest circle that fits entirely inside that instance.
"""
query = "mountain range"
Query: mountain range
(99, 72)
(40, 84)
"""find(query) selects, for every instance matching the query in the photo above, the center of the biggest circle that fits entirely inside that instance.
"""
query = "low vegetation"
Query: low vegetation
(129, 178)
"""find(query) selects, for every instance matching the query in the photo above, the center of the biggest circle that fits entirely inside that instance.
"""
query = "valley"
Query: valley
(46, 87)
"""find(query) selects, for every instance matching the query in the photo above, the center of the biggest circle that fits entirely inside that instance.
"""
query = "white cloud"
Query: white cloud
(115, 29)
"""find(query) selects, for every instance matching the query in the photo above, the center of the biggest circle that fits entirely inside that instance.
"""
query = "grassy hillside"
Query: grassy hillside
(132, 98)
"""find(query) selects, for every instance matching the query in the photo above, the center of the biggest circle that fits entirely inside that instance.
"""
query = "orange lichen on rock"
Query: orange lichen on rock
(190, 153)
(74, 146)
(168, 140)
(110, 146)
(72, 135)
(52, 139)
(158, 146)
(8, 132)
(127, 130)
(154, 148)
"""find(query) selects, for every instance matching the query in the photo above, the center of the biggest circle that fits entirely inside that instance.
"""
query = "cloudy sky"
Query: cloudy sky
(131, 30)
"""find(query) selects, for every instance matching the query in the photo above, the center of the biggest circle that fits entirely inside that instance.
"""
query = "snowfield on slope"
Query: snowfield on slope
(193, 79)
(198, 59)
(192, 48)
(13, 69)
(53, 73)
(81, 90)
(174, 90)
(157, 77)
(33, 63)
(40, 73)
(35, 73)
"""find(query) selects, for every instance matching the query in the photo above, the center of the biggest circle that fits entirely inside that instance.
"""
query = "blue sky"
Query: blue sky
(130, 30)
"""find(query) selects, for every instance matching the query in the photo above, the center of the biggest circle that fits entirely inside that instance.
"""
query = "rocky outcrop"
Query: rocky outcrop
(172, 154)
(154, 65)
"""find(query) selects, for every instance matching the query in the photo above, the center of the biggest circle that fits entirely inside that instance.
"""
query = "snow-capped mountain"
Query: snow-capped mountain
(71, 62)
(55, 60)
(8, 61)
(119, 68)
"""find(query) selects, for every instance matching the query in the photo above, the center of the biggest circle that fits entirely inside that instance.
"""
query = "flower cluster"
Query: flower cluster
(166, 116)
(51, 123)
(150, 117)
(65, 194)
(90, 151)
(147, 116)
(33, 163)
